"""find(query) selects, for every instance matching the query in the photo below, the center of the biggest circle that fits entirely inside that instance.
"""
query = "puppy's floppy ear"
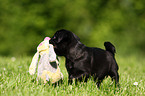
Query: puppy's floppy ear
(76, 37)
(62, 37)
(69, 33)
(65, 35)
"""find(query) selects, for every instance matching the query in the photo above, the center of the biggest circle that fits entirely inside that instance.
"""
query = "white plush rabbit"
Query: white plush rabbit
(48, 69)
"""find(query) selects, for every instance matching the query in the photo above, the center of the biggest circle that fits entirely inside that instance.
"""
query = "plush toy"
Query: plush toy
(48, 69)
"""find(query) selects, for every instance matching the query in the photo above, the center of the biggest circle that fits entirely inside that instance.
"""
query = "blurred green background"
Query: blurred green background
(25, 23)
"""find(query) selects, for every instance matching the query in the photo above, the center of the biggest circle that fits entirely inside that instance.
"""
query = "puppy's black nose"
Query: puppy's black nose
(51, 41)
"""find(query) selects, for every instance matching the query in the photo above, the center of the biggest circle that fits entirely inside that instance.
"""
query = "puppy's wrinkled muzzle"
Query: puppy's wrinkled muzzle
(52, 42)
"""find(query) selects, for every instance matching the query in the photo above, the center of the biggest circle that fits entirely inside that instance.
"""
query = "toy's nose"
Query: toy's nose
(47, 38)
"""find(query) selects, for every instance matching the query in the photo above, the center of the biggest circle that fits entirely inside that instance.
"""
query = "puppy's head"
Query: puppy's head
(62, 41)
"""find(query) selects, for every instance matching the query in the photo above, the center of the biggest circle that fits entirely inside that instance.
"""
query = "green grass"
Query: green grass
(15, 80)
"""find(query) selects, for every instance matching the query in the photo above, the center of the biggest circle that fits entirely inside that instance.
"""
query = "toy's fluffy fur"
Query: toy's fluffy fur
(48, 69)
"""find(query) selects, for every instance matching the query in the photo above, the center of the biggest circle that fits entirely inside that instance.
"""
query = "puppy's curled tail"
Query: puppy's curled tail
(110, 47)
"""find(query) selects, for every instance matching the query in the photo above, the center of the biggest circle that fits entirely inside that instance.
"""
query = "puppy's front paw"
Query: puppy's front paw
(71, 77)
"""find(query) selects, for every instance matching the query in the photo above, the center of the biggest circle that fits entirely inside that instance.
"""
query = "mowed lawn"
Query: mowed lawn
(16, 80)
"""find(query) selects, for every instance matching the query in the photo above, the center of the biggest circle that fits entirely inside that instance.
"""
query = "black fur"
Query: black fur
(83, 61)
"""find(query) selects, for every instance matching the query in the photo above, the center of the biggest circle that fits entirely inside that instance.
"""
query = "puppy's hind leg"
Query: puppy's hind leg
(115, 76)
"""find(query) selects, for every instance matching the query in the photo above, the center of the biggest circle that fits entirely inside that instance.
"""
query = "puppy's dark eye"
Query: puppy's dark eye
(54, 37)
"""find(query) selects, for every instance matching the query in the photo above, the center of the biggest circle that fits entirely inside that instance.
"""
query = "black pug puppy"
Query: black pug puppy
(82, 61)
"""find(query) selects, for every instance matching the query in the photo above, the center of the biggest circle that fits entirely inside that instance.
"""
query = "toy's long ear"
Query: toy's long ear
(34, 62)
(52, 55)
